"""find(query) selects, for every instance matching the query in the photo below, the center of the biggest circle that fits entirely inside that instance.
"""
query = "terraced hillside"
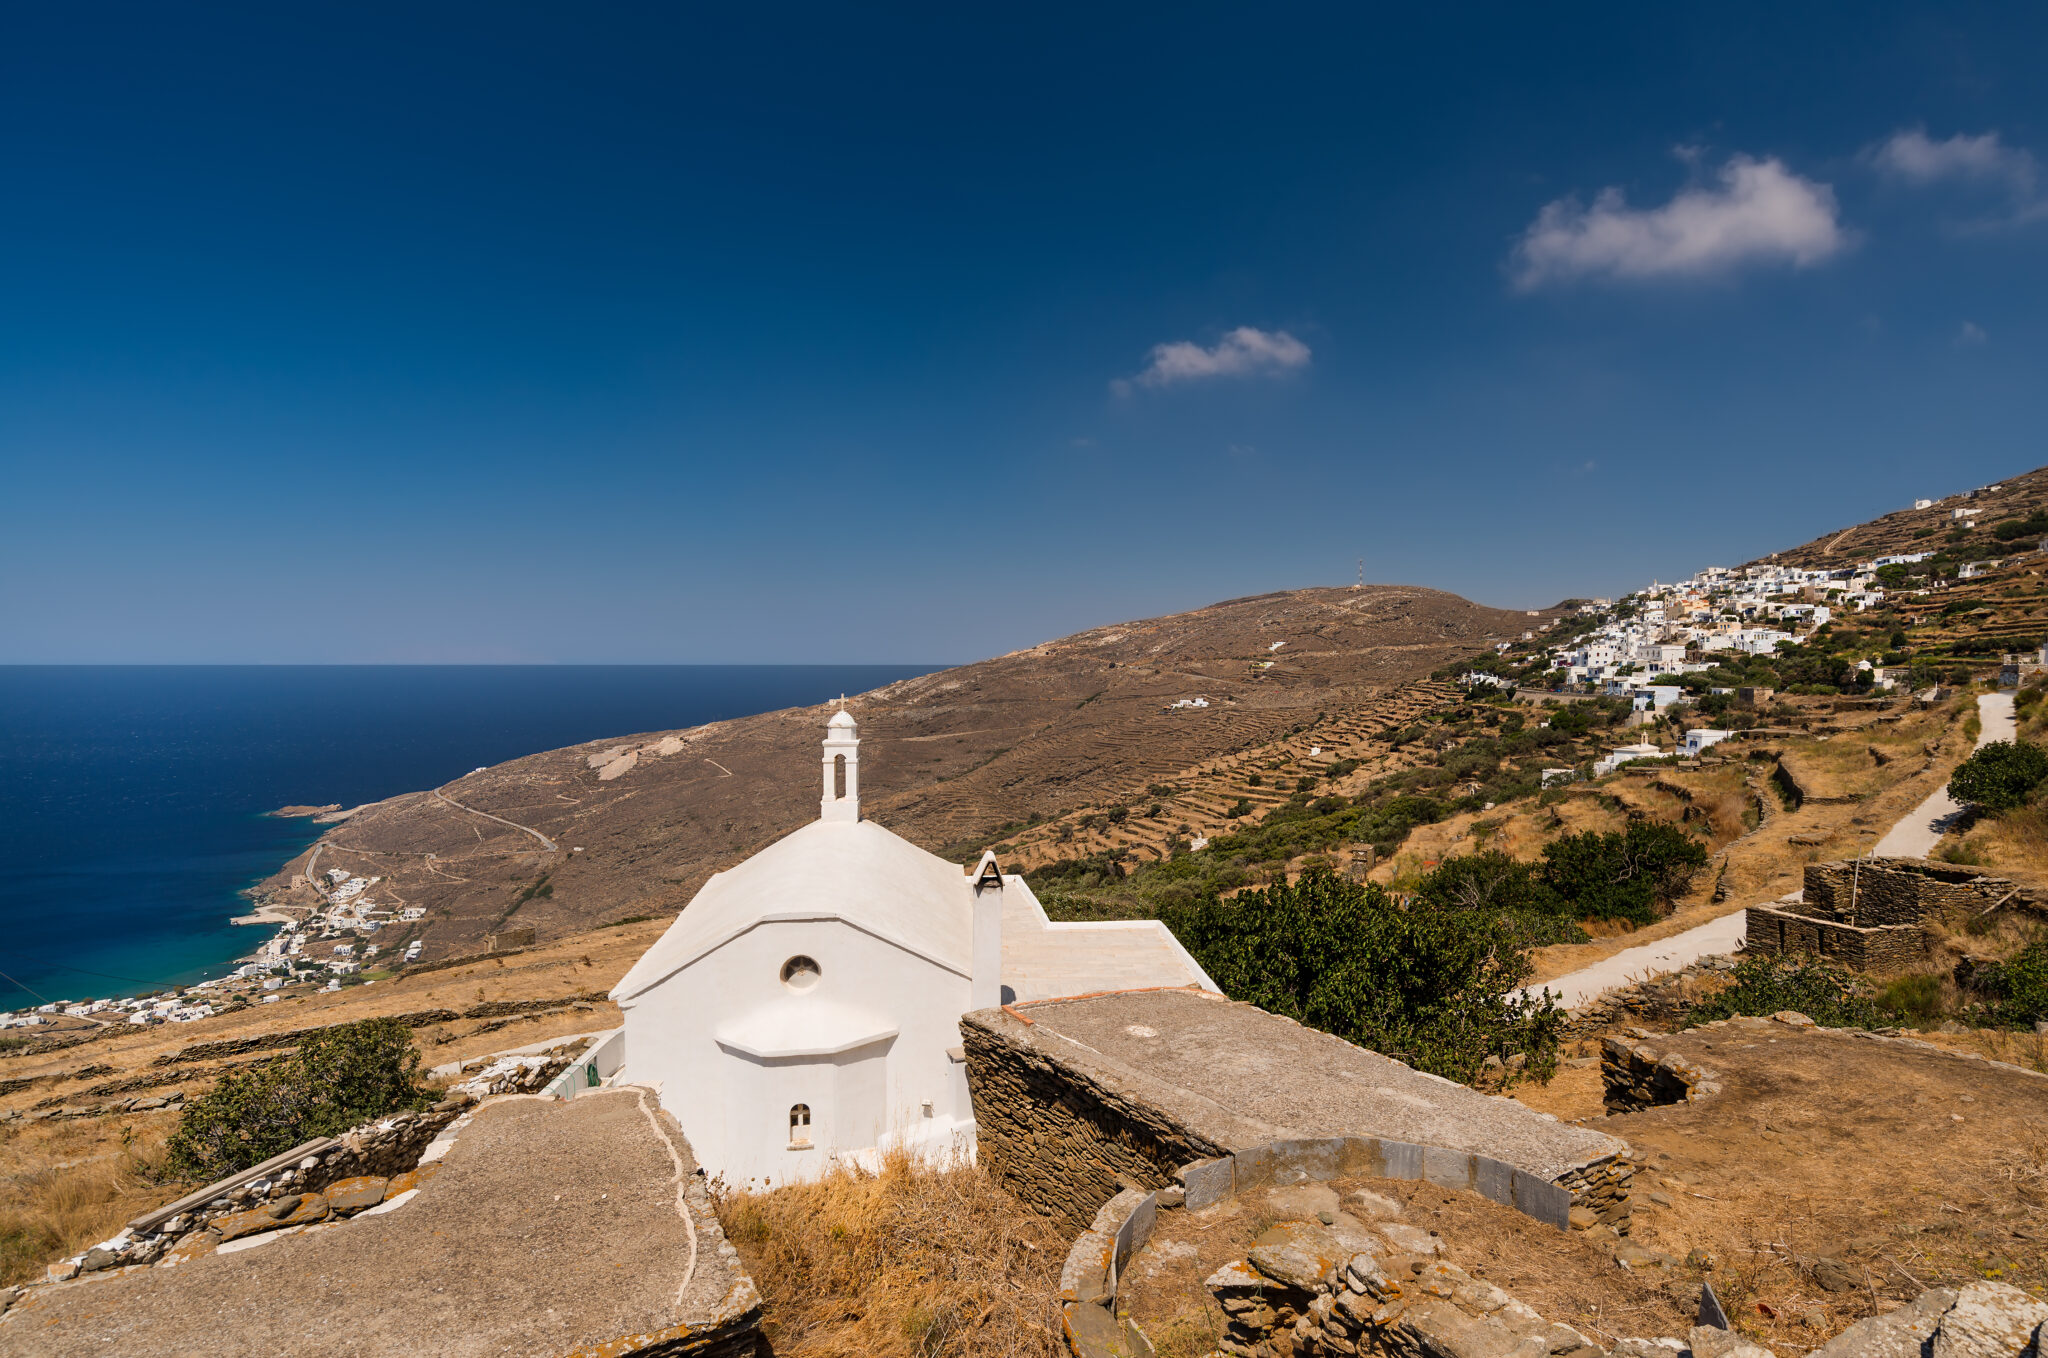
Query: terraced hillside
(1336, 751)
(1923, 530)
(561, 841)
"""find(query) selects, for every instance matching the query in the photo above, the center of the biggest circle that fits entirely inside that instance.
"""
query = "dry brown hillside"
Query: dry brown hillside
(632, 826)
(1924, 530)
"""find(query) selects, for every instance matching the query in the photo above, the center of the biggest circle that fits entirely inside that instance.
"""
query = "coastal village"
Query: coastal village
(1076, 1116)
(323, 951)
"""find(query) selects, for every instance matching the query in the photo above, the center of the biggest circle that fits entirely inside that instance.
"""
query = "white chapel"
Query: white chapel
(805, 1005)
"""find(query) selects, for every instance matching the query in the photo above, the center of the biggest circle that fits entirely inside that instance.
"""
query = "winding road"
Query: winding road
(546, 843)
(1915, 836)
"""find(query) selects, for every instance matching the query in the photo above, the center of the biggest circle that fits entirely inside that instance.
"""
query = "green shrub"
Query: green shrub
(1431, 987)
(2019, 986)
(337, 1079)
(1769, 983)
(1507, 889)
(1912, 997)
(2000, 775)
(2012, 530)
(1624, 874)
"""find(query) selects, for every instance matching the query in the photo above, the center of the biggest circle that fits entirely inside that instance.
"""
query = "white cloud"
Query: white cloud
(1912, 157)
(1918, 159)
(1971, 335)
(1757, 212)
(1243, 352)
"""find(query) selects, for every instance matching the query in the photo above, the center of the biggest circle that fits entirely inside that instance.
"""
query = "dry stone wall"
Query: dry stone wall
(1061, 1141)
(322, 1180)
(1066, 1141)
(1880, 891)
(1868, 913)
(1637, 1076)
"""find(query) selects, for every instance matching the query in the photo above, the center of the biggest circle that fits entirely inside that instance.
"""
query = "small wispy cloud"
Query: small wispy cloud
(1913, 158)
(1757, 211)
(1243, 352)
(1918, 159)
(1970, 335)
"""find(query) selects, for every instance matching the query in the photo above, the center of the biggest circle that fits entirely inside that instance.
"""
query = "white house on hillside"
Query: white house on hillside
(805, 1005)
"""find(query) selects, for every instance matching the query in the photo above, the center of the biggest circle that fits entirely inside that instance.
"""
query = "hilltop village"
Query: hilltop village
(1557, 989)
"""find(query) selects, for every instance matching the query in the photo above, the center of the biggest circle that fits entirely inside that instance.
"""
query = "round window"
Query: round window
(800, 972)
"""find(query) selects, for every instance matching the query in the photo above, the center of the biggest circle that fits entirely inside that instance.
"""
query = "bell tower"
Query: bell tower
(842, 770)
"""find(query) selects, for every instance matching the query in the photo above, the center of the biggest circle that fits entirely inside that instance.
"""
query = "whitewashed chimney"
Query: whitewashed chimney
(985, 980)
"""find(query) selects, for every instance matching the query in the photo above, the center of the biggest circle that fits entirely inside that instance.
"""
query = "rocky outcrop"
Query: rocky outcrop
(1982, 1320)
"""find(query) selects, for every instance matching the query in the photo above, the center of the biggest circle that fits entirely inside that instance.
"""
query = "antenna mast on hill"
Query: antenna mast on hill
(1361, 574)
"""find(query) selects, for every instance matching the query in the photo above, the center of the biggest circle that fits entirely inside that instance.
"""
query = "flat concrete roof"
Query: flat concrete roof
(550, 1227)
(1239, 1076)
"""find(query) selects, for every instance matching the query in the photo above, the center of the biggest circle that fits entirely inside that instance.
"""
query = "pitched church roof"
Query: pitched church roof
(856, 871)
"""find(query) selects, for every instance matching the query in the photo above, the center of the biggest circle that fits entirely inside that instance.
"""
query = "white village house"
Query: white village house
(805, 1005)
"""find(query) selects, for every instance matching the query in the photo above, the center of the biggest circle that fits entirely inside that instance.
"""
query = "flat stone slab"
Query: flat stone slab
(1240, 1076)
(549, 1227)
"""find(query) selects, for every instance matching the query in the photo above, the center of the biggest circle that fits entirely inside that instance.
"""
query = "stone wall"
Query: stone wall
(1658, 1001)
(1868, 913)
(1890, 947)
(1874, 892)
(1061, 1141)
(1067, 1142)
(323, 1180)
(1637, 1076)
(1322, 1289)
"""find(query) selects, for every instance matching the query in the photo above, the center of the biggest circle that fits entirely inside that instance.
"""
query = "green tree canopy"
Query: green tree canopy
(1429, 986)
(1623, 874)
(2000, 776)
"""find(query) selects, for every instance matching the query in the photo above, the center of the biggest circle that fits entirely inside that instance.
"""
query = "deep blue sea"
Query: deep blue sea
(132, 798)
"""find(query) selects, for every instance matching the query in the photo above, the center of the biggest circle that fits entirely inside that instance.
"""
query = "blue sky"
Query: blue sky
(500, 333)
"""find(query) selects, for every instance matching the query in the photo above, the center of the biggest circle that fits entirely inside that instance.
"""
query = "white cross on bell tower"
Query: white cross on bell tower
(842, 770)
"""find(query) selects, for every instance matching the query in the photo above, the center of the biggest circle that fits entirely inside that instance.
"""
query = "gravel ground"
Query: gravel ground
(550, 1225)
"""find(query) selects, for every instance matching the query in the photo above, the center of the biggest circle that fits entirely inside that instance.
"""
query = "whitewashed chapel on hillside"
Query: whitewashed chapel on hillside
(806, 1003)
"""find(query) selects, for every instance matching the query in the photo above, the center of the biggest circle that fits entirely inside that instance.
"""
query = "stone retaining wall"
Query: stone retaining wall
(1067, 1142)
(322, 1180)
(1064, 1142)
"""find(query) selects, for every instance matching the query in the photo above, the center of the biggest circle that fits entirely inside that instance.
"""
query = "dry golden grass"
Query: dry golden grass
(919, 1261)
(49, 1214)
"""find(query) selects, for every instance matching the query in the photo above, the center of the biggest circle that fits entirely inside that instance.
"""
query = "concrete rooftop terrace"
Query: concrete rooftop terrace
(551, 1228)
(1239, 1076)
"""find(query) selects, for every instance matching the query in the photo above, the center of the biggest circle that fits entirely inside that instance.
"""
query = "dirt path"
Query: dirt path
(1896, 1159)
(546, 843)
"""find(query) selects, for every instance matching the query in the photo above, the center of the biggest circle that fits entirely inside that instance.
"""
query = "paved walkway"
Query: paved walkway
(550, 1227)
(1916, 835)
(1721, 935)
(1913, 837)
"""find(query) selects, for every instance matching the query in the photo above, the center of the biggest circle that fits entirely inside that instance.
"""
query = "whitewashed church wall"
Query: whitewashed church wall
(722, 1098)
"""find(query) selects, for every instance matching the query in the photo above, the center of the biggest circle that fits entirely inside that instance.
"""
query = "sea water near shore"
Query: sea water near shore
(133, 798)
